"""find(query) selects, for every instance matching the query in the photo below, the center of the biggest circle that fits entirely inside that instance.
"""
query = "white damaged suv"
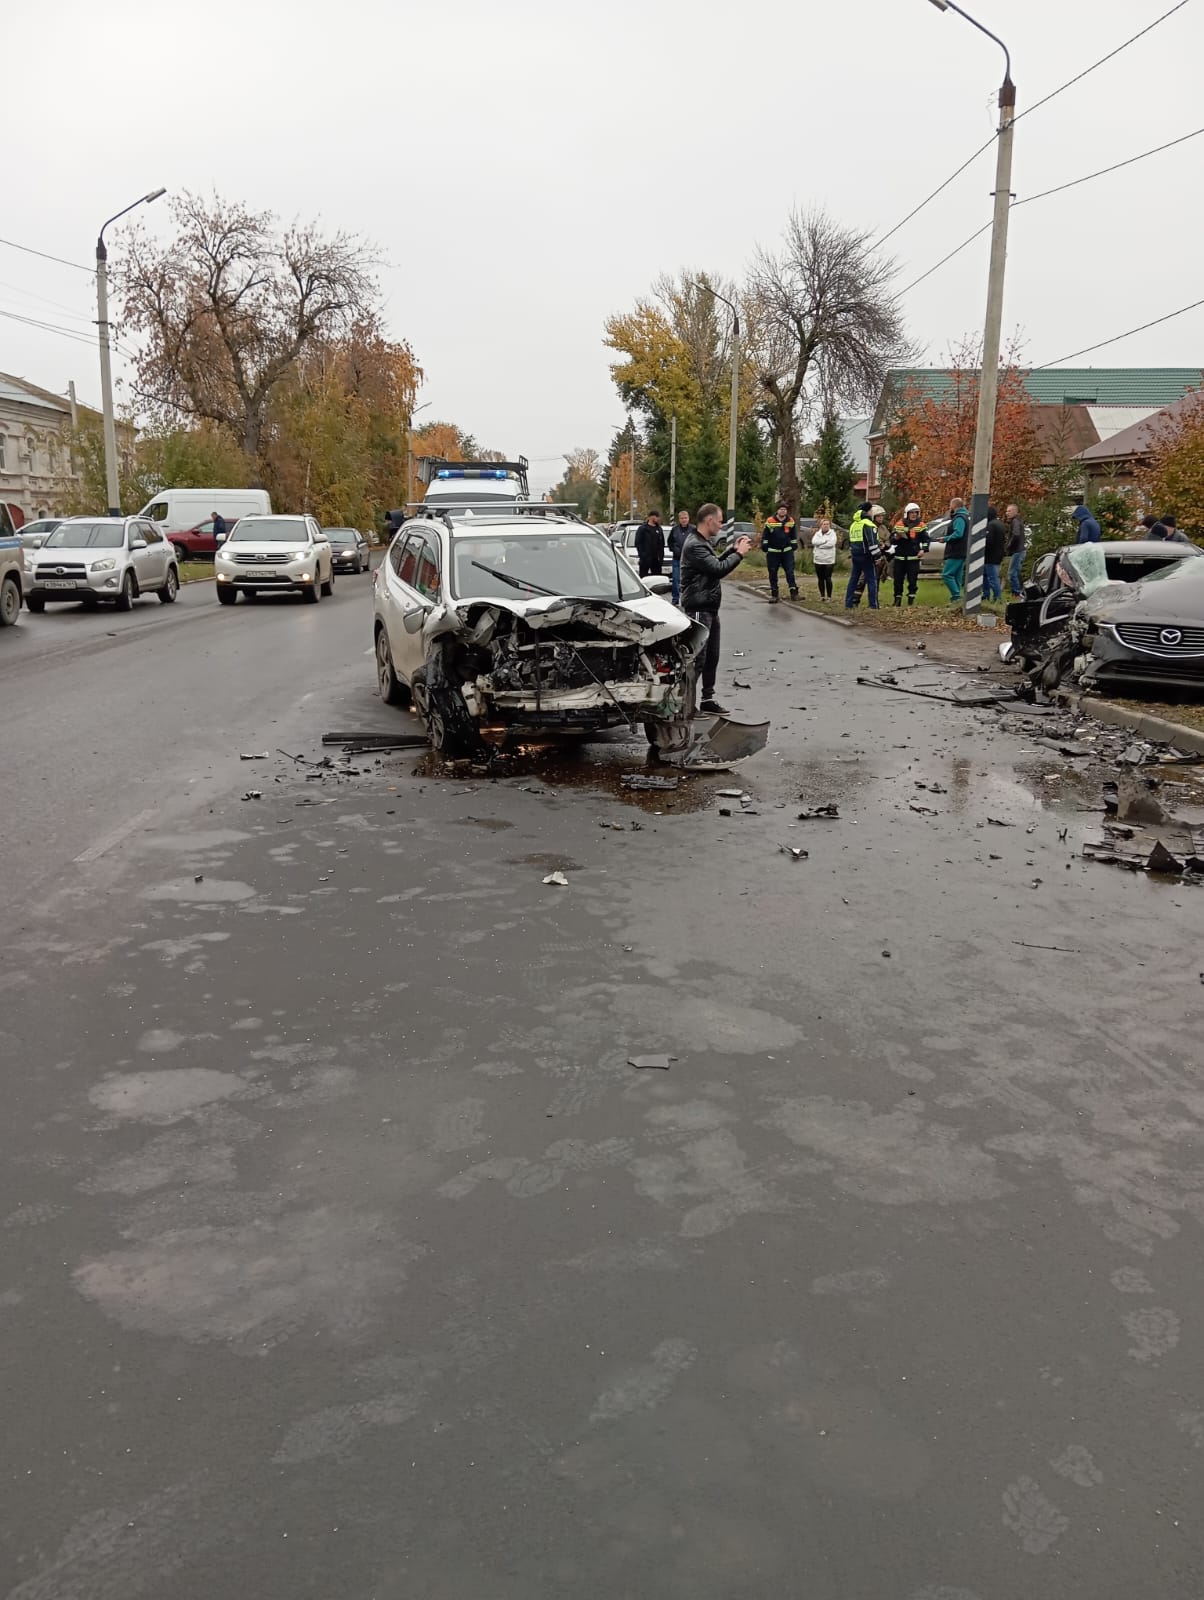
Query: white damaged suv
(274, 555)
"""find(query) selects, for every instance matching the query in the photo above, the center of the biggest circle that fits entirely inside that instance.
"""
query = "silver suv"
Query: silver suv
(101, 558)
(273, 555)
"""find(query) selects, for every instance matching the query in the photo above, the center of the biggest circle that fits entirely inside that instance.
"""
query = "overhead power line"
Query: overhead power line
(1078, 78)
(1117, 337)
(1103, 171)
(62, 261)
(50, 327)
(1052, 95)
(1044, 195)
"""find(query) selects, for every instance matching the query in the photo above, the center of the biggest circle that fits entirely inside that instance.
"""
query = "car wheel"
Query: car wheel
(392, 691)
(10, 602)
(35, 603)
(328, 586)
(226, 597)
(126, 598)
(181, 553)
(449, 723)
(312, 592)
(171, 588)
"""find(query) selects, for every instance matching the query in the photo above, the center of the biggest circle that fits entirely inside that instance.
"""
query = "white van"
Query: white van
(185, 516)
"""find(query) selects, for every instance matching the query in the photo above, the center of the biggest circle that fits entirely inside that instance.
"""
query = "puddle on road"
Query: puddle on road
(596, 766)
(491, 824)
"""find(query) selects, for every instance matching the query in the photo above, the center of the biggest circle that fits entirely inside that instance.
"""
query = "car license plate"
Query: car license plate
(59, 583)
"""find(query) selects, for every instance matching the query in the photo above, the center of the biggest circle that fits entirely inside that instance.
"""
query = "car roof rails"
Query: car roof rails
(429, 468)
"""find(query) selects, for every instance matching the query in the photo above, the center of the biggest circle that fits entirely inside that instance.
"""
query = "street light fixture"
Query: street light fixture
(731, 435)
(112, 487)
(988, 383)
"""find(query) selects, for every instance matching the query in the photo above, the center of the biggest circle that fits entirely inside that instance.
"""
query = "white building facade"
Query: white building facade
(36, 469)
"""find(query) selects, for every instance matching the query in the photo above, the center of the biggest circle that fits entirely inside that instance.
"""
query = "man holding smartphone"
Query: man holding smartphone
(702, 574)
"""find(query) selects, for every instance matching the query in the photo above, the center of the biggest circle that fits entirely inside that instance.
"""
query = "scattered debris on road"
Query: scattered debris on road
(794, 851)
(651, 1063)
(646, 780)
(809, 813)
(558, 878)
(255, 755)
(253, 794)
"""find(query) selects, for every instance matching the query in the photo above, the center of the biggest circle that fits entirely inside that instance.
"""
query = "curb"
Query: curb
(1157, 729)
(753, 591)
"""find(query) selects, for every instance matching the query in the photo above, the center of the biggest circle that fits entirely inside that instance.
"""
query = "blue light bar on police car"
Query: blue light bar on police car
(470, 472)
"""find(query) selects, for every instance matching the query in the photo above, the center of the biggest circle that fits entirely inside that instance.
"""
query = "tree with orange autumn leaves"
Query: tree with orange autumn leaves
(930, 445)
(1172, 480)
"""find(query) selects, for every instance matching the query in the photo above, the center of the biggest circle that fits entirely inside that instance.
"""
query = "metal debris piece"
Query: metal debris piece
(617, 827)
(1161, 860)
(652, 1063)
(809, 812)
(254, 755)
(646, 780)
(253, 794)
(795, 852)
(558, 878)
(736, 684)
(922, 811)
(730, 794)
(379, 741)
(998, 822)
(1133, 755)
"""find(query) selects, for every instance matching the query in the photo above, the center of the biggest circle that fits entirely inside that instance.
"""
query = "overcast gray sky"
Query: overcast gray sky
(527, 168)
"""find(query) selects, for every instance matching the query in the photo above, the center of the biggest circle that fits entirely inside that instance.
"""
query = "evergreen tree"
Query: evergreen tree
(702, 468)
(829, 476)
(756, 471)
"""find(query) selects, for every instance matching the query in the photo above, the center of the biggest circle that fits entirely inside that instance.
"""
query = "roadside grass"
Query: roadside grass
(1190, 715)
(195, 571)
(931, 611)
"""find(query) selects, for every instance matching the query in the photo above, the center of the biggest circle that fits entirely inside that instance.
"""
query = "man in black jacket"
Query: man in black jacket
(650, 545)
(678, 535)
(992, 554)
(702, 572)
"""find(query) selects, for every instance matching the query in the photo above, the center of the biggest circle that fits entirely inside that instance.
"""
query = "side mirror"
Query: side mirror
(220, 538)
(657, 585)
(137, 544)
(413, 620)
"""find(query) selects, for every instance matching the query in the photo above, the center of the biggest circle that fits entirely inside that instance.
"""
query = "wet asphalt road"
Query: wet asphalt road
(346, 1256)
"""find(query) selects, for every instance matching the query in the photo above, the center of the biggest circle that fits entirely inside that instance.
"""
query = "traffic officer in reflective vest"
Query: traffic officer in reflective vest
(779, 537)
(909, 541)
(864, 549)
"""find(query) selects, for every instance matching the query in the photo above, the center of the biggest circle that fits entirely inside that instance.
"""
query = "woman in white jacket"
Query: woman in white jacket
(823, 554)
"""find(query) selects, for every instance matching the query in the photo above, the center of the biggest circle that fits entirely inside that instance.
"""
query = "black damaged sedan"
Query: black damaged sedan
(1151, 634)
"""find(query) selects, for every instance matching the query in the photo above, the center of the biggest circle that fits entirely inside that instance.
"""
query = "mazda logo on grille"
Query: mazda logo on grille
(1171, 636)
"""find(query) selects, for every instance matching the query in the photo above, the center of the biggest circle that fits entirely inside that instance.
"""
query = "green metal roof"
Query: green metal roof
(1093, 386)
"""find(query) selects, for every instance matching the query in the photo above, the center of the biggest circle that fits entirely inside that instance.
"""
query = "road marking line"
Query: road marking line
(95, 851)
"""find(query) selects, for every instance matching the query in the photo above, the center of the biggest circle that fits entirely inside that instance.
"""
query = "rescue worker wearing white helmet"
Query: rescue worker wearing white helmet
(909, 541)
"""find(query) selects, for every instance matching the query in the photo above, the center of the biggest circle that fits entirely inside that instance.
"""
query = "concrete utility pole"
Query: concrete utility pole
(112, 487)
(732, 422)
(988, 381)
(410, 446)
(631, 427)
(672, 467)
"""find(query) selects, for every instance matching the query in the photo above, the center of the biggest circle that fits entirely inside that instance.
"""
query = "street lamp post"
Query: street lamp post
(732, 424)
(631, 429)
(112, 487)
(988, 382)
(414, 410)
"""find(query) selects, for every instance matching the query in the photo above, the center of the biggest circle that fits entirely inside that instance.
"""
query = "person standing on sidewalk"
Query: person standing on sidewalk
(778, 540)
(1014, 550)
(678, 534)
(1089, 528)
(909, 541)
(650, 545)
(992, 556)
(953, 568)
(702, 574)
(823, 554)
(864, 548)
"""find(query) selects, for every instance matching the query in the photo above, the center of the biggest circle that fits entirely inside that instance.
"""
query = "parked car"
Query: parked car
(34, 534)
(531, 622)
(349, 549)
(186, 515)
(274, 555)
(1151, 633)
(102, 558)
(12, 580)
